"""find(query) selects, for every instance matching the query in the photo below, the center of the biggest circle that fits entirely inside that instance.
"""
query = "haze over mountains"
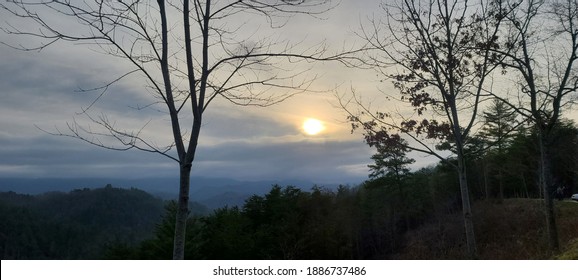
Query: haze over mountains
(211, 192)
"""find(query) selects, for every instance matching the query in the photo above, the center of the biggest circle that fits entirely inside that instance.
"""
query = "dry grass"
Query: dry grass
(571, 252)
(514, 229)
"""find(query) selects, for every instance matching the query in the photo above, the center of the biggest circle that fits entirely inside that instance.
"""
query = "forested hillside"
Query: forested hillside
(364, 222)
(398, 213)
(74, 225)
(355, 223)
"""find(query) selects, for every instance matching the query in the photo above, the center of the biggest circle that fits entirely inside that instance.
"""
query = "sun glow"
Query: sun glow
(313, 126)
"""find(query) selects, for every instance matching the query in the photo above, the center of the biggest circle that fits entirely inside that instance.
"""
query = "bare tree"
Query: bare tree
(225, 57)
(437, 55)
(542, 38)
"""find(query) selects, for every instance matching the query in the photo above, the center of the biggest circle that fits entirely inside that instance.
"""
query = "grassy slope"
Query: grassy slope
(514, 229)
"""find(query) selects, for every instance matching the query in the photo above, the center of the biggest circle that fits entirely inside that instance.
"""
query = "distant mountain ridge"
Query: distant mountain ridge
(75, 225)
(211, 192)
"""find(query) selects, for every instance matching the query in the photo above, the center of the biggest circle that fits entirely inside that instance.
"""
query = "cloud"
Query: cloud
(40, 89)
(236, 142)
(320, 161)
(317, 161)
(227, 122)
(50, 156)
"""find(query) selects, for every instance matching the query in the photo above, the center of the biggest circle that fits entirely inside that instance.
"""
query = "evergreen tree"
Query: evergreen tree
(391, 169)
(497, 132)
(390, 159)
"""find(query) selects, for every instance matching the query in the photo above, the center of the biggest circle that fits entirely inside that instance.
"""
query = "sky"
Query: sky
(39, 93)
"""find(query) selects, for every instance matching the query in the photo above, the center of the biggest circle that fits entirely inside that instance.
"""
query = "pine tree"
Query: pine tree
(391, 167)
(498, 133)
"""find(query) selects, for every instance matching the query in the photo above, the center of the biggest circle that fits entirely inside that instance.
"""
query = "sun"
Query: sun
(313, 126)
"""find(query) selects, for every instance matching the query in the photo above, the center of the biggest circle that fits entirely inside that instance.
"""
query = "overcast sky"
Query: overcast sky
(40, 90)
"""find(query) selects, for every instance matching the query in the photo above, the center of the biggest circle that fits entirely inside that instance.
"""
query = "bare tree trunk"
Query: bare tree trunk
(184, 189)
(500, 185)
(525, 186)
(182, 212)
(486, 177)
(546, 179)
(466, 206)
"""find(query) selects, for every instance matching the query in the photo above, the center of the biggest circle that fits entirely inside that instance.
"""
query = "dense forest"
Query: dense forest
(76, 225)
(396, 214)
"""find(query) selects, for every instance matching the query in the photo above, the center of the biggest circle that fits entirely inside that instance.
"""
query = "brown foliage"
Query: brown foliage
(514, 229)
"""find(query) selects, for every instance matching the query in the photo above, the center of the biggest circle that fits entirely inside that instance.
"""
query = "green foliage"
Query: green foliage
(75, 225)
(564, 157)
(499, 125)
(226, 235)
(511, 169)
(286, 223)
(365, 222)
(391, 160)
(161, 245)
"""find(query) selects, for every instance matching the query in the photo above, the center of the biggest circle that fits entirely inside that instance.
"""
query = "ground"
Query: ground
(513, 229)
